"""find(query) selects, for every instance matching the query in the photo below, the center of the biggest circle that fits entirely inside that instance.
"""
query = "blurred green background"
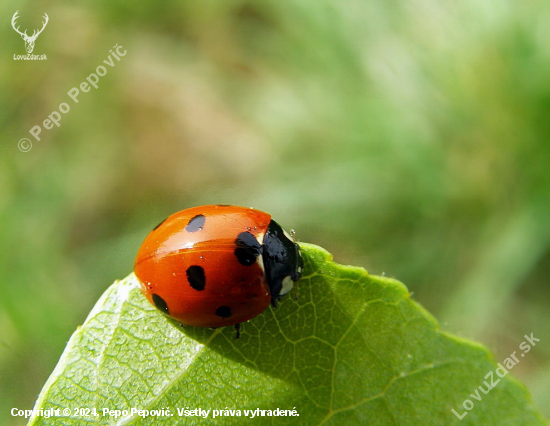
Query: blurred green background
(409, 137)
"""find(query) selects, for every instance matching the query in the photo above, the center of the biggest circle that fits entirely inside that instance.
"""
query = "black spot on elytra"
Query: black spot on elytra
(160, 303)
(196, 278)
(195, 224)
(159, 224)
(248, 248)
(224, 311)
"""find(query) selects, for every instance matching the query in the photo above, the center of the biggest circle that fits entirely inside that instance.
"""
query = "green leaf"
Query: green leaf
(354, 349)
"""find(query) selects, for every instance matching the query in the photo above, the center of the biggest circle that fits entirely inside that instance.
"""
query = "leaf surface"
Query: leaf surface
(353, 349)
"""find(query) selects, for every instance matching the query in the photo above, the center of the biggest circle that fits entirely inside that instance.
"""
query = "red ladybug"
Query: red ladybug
(219, 265)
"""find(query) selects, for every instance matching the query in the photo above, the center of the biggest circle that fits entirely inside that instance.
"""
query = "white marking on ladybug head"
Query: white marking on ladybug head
(287, 285)
(260, 261)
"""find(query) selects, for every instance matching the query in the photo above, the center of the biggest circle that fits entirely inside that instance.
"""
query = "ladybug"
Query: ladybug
(218, 265)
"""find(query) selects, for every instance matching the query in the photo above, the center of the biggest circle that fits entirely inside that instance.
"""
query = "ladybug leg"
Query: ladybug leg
(237, 330)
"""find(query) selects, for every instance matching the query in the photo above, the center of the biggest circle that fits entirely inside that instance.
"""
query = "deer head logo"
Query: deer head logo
(29, 41)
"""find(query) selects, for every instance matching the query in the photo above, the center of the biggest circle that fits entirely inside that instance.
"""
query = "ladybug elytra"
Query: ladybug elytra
(217, 265)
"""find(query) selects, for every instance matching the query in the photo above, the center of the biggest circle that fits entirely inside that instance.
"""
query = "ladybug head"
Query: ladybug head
(282, 260)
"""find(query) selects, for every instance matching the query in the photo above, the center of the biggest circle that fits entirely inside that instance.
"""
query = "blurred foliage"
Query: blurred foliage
(407, 137)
